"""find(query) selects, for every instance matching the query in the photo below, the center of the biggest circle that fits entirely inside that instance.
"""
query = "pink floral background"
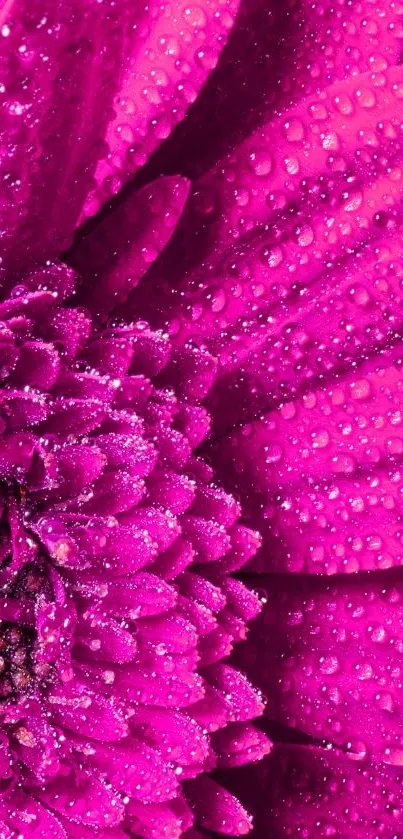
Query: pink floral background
(201, 435)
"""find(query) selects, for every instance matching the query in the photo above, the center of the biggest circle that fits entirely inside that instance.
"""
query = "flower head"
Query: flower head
(116, 604)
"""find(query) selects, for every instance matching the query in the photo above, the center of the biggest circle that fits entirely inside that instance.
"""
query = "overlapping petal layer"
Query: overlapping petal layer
(312, 792)
(86, 95)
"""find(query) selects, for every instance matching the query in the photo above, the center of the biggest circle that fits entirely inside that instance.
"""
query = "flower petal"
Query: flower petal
(333, 672)
(238, 744)
(135, 769)
(119, 255)
(87, 801)
(155, 821)
(25, 813)
(77, 708)
(216, 809)
(308, 466)
(327, 794)
(45, 105)
(167, 60)
(179, 739)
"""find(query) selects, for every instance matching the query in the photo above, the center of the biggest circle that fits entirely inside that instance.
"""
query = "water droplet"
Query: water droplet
(195, 16)
(293, 130)
(260, 161)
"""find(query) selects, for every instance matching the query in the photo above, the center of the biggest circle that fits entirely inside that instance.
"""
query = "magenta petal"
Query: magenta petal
(332, 672)
(114, 492)
(192, 370)
(213, 503)
(215, 646)
(171, 491)
(243, 602)
(216, 809)
(170, 631)
(194, 422)
(38, 365)
(212, 711)
(311, 461)
(166, 62)
(161, 526)
(174, 560)
(179, 739)
(239, 744)
(327, 794)
(202, 618)
(245, 701)
(104, 639)
(256, 246)
(244, 545)
(79, 466)
(45, 104)
(119, 255)
(140, 596)
(24, 409)
(122, 549)
(170, 690)
(85, 800)
(70, 328)
(36, 746)
(80, 831)
(25, 813)
(16, 454)
(134, 769)
(83, 386)
(123, 451)
(209, 539)
(77, 708)
(202, 591)
(75, 416)
(159, 820)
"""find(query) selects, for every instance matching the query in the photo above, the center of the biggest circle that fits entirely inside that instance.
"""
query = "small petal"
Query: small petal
(216, 809)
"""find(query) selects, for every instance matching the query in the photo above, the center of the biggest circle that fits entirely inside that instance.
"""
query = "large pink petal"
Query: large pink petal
(119, 254)
(59, 79)
(168, 57)
(277, 54)
(320, 475)
(86, 97)
(329, 660)
(316, 793)
(267, 209)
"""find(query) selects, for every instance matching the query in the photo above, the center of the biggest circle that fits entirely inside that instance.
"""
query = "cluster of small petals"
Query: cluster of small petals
(116, 604)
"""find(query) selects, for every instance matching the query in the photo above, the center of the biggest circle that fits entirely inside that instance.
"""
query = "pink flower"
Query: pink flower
(118, 603)
(292, 276)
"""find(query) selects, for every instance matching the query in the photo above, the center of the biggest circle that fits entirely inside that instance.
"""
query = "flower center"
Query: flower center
(23, 580)
(17, 673)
